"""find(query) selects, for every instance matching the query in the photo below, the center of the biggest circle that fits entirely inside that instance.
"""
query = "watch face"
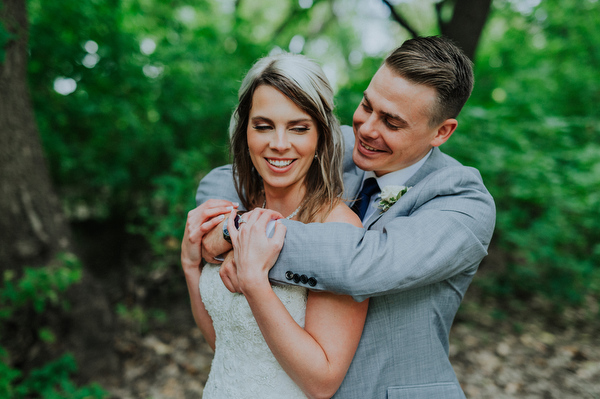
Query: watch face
(226, 236)
(236, 222)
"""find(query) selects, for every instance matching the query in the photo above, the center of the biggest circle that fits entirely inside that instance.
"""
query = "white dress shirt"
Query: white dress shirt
(396, 178)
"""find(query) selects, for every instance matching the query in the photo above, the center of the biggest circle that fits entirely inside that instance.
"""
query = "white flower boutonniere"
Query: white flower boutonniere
(390, 195)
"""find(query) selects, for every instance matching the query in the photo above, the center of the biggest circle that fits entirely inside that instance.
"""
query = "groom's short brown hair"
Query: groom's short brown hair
(437, 62)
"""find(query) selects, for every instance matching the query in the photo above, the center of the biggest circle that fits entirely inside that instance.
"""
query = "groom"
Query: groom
(414, 260)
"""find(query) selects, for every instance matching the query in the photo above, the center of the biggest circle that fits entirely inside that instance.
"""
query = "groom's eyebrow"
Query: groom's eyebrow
(399, 121)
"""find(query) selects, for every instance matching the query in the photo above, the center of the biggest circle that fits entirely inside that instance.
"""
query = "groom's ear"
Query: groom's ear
(444, 131)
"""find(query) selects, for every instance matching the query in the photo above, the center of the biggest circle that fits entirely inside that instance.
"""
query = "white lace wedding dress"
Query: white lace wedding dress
(243, 365)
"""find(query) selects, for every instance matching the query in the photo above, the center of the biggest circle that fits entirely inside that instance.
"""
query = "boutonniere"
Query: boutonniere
(390, 195)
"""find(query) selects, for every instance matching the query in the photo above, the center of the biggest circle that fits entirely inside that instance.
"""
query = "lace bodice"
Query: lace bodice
(243, 365)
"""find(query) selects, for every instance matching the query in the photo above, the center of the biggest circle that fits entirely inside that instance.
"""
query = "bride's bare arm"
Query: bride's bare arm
(199, 221)
(317, 356)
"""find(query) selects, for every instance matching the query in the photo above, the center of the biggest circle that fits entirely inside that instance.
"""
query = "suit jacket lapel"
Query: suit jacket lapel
(434, 162)
(353, 175)
(352, 183)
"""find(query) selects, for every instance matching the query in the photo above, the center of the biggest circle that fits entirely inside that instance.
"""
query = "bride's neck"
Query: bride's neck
(284, 201)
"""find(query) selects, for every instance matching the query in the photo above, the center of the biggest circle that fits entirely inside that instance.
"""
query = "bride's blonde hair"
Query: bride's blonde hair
(303, 82)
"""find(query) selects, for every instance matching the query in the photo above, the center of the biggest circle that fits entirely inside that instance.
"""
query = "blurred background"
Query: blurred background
(112, 111)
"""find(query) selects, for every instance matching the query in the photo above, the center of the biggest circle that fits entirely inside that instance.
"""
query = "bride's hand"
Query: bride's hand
(254, 253)
(200, 221)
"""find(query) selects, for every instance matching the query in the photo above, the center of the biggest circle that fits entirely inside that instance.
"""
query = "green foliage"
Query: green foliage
(39, 288)
(150, 113)
(135, 108)
(165, 214)
(53, 382)
(7, 376)
(140, 317)
(531, 129)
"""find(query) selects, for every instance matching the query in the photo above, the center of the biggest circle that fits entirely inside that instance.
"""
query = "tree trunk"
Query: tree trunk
(464, 27)
(33, 229)
(467, 22)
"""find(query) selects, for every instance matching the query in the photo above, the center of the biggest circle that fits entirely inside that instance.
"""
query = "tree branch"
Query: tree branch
(467, 22)
(398, 18)
(438, 14)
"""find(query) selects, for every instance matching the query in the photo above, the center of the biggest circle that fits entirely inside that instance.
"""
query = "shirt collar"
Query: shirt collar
(398, 177)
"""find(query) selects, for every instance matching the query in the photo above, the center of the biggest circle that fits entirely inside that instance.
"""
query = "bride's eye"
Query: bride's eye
(300, 129)
(261, 127)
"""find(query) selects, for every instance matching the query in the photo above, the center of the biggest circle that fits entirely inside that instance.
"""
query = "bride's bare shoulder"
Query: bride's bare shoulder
(341, 213)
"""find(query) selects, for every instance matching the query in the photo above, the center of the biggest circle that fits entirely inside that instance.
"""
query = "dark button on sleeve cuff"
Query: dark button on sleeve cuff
(289, 275)
(312, 281)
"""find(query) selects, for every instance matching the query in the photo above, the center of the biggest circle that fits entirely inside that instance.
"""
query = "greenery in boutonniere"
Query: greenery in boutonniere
(390, 195)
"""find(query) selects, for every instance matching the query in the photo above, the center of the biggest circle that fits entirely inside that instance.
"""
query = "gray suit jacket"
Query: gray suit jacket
(415, 261)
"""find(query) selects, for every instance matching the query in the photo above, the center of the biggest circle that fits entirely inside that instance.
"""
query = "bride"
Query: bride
(275, 341)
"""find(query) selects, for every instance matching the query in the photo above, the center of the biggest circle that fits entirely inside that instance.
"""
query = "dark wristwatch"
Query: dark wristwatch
(236, 222)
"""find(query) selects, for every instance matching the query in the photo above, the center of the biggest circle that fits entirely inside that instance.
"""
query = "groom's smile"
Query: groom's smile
(368, 147)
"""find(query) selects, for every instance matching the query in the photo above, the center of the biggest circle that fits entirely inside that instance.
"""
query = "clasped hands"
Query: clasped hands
(246, 266)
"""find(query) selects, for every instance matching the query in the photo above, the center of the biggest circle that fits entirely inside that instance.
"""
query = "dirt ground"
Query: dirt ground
(532, 352)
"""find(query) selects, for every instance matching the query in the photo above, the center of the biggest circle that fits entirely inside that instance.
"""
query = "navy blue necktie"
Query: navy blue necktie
(370, 187)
